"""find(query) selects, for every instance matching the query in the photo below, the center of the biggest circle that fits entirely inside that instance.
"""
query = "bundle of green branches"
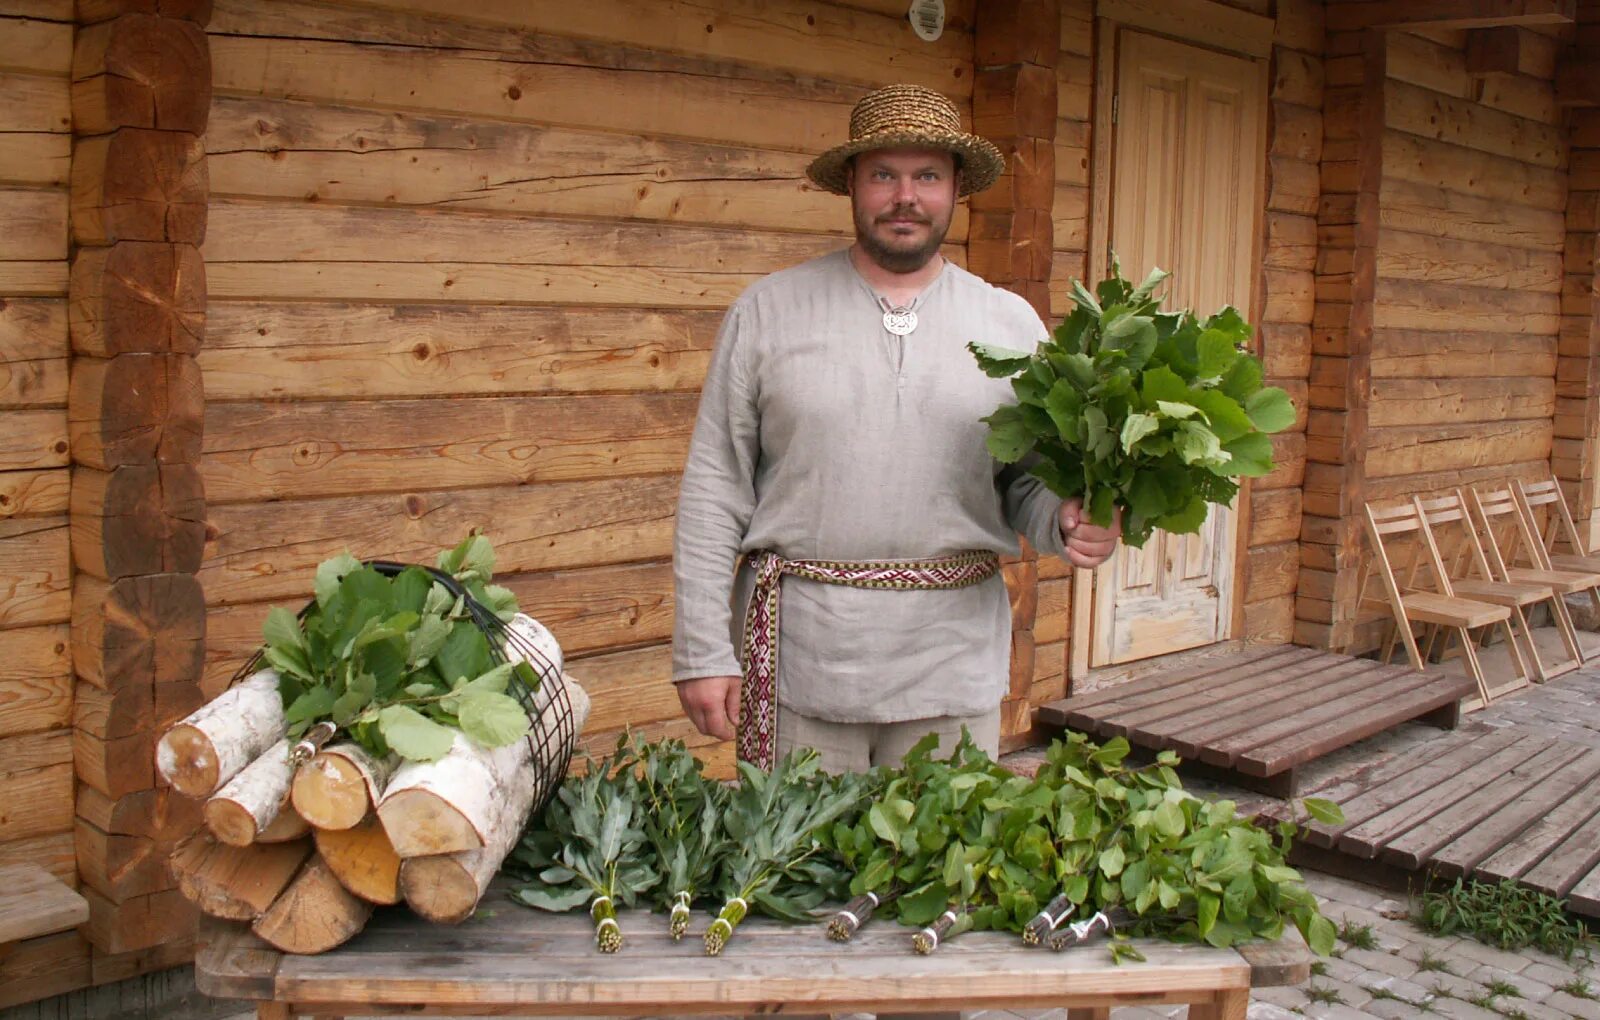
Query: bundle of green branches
(398, 662)
(682, 814)
(590, 848)
(1125, 405)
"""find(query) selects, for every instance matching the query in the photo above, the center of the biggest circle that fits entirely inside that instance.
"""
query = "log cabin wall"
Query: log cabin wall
(35, 562)
(1439, 283)
(468, 273)
(1575, 457)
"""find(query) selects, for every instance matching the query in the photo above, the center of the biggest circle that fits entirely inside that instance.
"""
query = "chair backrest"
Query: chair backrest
(1508, 537)
(1455, 538)
(1545, 506)
(1396, 528)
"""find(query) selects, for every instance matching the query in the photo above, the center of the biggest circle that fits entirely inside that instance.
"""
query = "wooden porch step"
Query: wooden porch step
(1259, 713)
(34, 902)
(1490, 804)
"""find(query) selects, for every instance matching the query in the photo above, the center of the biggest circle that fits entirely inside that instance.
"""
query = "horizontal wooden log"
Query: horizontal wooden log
(1052, 618)
(35, 44)
(1293, 185)
(1290, 296)
(1400, 353)
(139, 185)
(1472, 171)
(120, 867)
(262, 551)
(639, 677)
(266, 451)
(1284, 349)
(35, 681)
(35, 587)
(1296, 78)
(134, 409)
(284, 149)
(34, 493)
(38, 800)
(1445, 69)
(36, 103)
(145, 630)
(789, 35)
(1420, 208)
(133, 708)
(1294, 132)
(40, 968)
(1299, 26)
(133, 520)
(158, 816)
(33, 355)
(269, 350)
(34, 439)
(1353, 15)
(1418, 449)
(1291, 242)
(1405, 304)
(1429, 114)
(139, 923)
(36, 223)
(92, 11)
(138, 297)
(1289, 462)
(33, 279)
(276, 232)
(1271, 571)
(117, 766)
(1269, 621)
(1456, 401)
(713, 109)
(141, 70)
(1274, 516)
(38, 158)
(1214, 24)
(1404, 255)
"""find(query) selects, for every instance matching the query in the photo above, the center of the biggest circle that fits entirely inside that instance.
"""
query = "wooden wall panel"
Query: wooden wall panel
(1576, 443)
(36, 684)
(465, 266)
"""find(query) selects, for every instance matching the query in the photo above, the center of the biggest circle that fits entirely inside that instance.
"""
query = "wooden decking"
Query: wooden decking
(1492, 804)
(1260, 712)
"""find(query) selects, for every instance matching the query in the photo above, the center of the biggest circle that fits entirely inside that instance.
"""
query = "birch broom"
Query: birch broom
(682, 812)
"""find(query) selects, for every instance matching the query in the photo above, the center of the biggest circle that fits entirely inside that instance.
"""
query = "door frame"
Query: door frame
(1108, 35)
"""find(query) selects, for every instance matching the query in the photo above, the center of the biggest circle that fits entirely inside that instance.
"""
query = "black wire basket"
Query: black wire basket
(552, 724)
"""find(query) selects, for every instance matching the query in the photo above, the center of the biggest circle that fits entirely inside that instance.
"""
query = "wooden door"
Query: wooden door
(1185, 185)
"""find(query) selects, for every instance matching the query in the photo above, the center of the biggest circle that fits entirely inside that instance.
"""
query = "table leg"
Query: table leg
(1230, 1004)
(1089, 1013)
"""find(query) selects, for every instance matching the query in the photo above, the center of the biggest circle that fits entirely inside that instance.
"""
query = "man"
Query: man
(839, 443)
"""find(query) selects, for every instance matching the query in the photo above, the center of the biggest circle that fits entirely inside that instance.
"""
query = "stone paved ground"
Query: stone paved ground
(1409, 973)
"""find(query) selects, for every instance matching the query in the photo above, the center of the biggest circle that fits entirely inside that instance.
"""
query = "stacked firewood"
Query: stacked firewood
(303, 839)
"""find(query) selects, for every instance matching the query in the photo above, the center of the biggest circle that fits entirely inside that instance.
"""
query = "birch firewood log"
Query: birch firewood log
(314, 914)
(232, 882)
(447, 887)
(336, 788)
(208, 748)
(451, 805)
(361, 858)
(247, 806)
(286, 825)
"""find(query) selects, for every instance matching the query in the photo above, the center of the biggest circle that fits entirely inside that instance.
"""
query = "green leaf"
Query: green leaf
(282, 629)
(465, 653)
(1133, 334)
(427, 639)
(1174, 409)
(1270, 409)
(1207, 906)
(330, 573)
(1243, 378)
(923, 905)
(1135, 427)
(1009, 437)
(1324, 811)
(1320, 934)
(1169, 819)
(1143, 292)
(556, 900)
(413, 735)
(1216, 353)
(492, 720)
(1111, 861)
(314, 704)
(1197, 444)
(1251, 455)
(999, 362)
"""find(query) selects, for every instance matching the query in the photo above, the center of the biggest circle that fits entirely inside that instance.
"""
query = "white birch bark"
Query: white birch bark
(210, 747)
(244, 807)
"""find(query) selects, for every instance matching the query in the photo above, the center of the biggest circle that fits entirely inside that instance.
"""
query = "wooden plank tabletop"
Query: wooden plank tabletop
(511, 956)
(34, 902)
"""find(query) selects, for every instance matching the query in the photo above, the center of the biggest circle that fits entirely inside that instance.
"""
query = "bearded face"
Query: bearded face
(902, 201)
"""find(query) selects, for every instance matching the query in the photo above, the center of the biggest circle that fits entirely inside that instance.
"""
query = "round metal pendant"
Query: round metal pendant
(900, 321)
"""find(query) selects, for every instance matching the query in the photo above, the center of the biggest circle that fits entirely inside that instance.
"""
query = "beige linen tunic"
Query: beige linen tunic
(821, 435)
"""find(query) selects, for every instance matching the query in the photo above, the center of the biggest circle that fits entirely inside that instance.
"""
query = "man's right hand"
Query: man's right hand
(712, 704)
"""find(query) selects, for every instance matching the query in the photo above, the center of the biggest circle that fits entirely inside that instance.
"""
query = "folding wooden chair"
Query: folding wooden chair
(1472, 575)
(1545, 507)
(1410, 603)
(1519, 555)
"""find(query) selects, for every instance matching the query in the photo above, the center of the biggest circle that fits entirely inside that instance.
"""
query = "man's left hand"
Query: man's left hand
(1088, 545)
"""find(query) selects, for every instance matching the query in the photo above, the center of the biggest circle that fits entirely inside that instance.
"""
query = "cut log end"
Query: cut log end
(236, 883)
(362, 859)
(230, 822)
(286, 826)
(442, 889)
(423, 823)
(188, 760)
(330, 792)
(315, 914)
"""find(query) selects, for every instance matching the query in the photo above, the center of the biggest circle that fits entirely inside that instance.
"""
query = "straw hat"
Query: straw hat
(908, 116)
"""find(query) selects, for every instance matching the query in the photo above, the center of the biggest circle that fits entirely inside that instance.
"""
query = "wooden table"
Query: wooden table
(512, 961)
